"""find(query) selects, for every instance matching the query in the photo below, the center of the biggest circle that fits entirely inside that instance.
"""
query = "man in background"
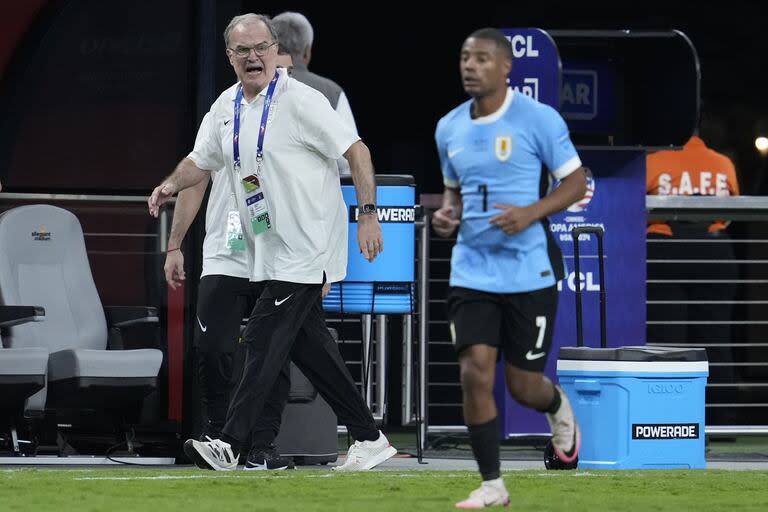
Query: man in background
(296, 35)
(696, 170)
(284, 59)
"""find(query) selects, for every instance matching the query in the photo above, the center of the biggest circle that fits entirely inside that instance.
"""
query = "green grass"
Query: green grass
(155, 490)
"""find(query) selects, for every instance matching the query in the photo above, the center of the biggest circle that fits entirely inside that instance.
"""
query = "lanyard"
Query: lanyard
(262, 127)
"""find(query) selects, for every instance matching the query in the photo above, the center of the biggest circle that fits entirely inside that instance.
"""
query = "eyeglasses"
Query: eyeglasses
(260, 49)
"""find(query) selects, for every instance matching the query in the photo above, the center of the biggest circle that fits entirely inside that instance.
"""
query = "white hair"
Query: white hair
(247, 19)
(300, 28)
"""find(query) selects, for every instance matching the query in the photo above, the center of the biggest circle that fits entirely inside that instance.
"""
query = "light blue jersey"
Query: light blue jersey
(498, 159)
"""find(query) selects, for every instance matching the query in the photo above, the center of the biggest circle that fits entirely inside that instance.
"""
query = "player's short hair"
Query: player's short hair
(495, 35)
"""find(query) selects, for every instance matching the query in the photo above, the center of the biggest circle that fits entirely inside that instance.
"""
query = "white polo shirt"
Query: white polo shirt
(300, 179)
(218, 259)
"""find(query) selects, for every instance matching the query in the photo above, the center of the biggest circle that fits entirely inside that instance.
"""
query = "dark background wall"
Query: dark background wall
(101, 96)
(96, 96)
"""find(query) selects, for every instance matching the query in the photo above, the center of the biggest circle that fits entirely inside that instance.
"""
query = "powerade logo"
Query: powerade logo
(387, 213)
(666, 431)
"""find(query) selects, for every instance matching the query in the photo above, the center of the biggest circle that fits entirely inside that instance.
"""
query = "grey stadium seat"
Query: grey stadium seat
(22, 370)
(44, 262)
(22, 373)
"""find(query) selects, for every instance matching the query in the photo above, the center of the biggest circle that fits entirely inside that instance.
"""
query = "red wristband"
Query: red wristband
(174, 249)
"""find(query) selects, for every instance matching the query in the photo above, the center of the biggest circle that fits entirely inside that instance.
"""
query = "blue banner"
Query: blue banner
(615, 201)
(535, 65)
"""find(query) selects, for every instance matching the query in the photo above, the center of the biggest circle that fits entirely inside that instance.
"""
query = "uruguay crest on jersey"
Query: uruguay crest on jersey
(503, 147)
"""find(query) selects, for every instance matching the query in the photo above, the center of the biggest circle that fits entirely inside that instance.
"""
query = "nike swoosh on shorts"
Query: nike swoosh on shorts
(278, 302)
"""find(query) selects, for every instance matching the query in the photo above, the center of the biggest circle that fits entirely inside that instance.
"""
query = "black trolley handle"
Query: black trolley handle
(575, 233)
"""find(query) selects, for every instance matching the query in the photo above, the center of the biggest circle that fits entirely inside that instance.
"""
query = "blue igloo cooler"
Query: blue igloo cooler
(386, 285)
(638, 407)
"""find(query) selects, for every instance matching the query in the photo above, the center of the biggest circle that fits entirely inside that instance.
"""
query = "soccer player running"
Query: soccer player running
(505, 265)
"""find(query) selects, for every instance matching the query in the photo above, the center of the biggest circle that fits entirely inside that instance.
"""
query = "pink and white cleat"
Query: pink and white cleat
(566, 437)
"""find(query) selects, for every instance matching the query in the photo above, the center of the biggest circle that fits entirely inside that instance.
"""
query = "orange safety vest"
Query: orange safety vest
(694, 170)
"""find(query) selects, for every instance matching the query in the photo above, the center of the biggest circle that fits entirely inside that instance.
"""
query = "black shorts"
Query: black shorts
(519, 324)
(222, 303)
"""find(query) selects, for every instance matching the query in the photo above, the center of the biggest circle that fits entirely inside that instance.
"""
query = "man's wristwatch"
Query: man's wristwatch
(367, 209)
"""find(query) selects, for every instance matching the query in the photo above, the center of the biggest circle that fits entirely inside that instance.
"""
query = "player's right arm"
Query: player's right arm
(448, 217)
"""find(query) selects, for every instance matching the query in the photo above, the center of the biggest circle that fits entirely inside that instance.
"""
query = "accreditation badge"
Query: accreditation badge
(256, 204)
(235, 238)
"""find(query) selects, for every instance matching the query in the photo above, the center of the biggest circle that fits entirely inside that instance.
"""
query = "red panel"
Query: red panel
(175, 352)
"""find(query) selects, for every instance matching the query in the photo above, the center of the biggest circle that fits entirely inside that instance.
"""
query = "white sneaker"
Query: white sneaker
(491, 493)
(212, 454)
(566, 437)
(365, 455)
